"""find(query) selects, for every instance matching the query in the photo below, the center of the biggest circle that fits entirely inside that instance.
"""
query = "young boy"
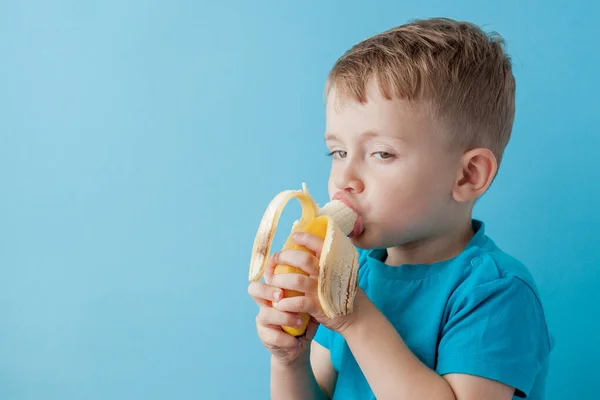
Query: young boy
(417, 121)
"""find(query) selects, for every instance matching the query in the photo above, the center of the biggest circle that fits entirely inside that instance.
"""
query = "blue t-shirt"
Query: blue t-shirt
(478, 313)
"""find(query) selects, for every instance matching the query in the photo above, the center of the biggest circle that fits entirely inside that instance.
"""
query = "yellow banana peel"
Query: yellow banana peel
(338, 261)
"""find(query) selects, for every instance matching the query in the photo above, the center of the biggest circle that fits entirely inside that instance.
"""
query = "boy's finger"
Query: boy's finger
(268, 274)
(298, 258)
(271, 316)
(297, 304)
(261, 291)
(301, 283)
(275, 337)
(310, 241)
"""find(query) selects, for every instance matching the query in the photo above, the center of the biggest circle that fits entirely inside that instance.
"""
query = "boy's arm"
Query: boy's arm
(320, 359)
(394, 372)
(305, 378)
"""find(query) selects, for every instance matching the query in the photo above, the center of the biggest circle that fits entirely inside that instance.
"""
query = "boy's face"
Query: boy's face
(392, 166)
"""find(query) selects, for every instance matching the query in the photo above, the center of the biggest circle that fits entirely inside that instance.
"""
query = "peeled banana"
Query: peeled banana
(338, 261)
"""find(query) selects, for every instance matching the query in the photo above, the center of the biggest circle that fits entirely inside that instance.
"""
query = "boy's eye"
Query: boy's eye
(337, 154)
(384, 155)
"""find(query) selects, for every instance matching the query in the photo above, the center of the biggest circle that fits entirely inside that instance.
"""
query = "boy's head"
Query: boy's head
(417, 120)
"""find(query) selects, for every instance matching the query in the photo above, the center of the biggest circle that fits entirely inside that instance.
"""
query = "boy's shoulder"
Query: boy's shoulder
(483, 280)
(481, 262)
(490, 262)
(484, 265)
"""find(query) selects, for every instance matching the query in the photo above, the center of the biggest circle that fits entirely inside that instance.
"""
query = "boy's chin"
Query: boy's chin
(370, 240)
(363, 241)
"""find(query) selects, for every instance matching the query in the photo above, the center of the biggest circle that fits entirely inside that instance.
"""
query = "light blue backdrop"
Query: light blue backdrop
(140, 142)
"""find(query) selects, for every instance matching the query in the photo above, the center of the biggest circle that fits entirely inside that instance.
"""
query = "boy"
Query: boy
(417, 119)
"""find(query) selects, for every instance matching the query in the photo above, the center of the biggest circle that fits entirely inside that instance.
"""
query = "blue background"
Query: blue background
(140, 142)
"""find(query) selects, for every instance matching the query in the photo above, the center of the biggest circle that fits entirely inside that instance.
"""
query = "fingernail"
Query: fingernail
(277, 295)
(299, 322)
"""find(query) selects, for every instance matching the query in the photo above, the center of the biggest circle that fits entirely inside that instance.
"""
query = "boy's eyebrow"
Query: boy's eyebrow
(330, 136)
(365, 135)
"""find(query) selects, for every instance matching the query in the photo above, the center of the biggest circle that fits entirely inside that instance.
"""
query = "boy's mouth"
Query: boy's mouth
(358, 225)
(358, 228)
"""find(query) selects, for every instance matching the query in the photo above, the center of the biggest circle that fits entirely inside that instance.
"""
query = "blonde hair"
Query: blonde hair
(461, 73)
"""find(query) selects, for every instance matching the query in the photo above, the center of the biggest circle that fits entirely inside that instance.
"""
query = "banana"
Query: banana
(338, 261)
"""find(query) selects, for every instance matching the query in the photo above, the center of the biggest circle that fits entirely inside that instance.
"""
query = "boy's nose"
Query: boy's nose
(349, 181)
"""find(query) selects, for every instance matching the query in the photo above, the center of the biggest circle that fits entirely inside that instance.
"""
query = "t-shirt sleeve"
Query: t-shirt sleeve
(496, 330)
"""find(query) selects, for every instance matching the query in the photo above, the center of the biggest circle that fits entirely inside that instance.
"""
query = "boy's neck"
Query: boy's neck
(432, 249)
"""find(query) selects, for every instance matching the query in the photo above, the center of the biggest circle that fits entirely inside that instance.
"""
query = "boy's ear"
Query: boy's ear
(476, 171)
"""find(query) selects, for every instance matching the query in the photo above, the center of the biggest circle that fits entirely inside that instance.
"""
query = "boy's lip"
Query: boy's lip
(358, 225)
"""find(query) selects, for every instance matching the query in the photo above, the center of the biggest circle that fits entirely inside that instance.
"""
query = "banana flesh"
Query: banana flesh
(338, 260)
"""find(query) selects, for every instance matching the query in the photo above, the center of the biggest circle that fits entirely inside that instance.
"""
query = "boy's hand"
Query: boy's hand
(309, 263)
(284, 347)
